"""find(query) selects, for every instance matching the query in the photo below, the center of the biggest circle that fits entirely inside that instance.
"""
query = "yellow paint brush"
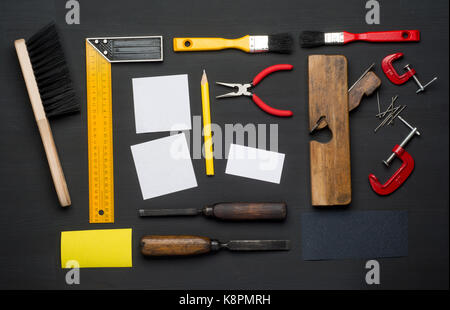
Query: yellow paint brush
(276, 43)
(209, 157)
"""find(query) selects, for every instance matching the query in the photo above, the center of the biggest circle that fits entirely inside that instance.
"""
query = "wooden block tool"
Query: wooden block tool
(368, 83)
(329, 106)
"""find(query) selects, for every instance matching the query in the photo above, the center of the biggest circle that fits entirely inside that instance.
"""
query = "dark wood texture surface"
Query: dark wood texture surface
(250, 211)
(30, 217)
(365, 87)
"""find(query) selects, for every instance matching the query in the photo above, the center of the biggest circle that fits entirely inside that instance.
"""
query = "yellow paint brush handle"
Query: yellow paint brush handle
(210, 44)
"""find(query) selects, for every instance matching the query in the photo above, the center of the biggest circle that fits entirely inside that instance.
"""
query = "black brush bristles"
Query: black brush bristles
(281, 43)
(312, 38)
(51, 72)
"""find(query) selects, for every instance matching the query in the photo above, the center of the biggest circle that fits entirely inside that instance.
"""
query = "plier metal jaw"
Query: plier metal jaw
(245, 90)
(242, 90)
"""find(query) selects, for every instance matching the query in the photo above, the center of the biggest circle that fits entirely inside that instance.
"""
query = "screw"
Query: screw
(396, 114)
(378, 102)
(389, 109)
(386, 119)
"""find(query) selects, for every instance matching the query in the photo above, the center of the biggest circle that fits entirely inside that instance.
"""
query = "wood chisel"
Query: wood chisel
(100, 53)
(195, 245)
(275, 43)
(233, 211)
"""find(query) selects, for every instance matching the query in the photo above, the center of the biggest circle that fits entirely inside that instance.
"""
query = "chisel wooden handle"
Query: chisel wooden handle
(236, 211)
(176, 245)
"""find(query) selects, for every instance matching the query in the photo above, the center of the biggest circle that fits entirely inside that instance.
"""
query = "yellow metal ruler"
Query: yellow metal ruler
(100, 53)
(100, 137)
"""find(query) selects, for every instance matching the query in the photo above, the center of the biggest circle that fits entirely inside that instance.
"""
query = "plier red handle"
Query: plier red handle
(245, 90)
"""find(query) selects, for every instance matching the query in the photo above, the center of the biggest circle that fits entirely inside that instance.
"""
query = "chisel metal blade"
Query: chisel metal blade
(258, 245)
(169, 212)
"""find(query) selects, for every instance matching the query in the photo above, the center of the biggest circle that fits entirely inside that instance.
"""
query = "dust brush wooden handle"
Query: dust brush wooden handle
(248, 211)
(175, 245)
(44, 127)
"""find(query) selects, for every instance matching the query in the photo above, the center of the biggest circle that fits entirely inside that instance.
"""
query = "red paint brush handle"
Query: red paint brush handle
(384, 36)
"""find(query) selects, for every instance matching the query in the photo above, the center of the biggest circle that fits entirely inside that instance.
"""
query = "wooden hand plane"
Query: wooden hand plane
(329, 106)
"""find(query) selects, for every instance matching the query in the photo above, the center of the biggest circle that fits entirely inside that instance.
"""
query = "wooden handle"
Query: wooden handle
(44, 127)
(210, 44)
(329, 162)
(174, 245)
(248, 211)
(366, 86)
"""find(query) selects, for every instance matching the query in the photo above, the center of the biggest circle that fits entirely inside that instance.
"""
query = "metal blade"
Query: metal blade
(231, 85)
(230, 94)
(168, 212)
(227, 95)
(258, 245)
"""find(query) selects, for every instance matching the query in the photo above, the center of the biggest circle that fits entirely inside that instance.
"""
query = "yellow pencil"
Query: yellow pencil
(209, 158)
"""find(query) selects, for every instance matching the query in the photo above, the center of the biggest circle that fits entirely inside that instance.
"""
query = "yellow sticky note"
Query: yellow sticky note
(96, 248)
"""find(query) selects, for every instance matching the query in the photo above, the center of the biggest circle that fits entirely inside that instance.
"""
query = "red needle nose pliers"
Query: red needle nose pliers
(244, 90)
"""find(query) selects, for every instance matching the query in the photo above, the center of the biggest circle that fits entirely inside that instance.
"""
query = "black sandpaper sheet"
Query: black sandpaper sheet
(329, 234)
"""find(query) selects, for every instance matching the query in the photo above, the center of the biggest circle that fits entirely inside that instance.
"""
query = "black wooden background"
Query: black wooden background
(31, 220)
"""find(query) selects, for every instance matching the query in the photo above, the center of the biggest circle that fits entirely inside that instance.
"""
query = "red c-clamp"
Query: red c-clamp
(399, 176)
(390, 71)
(403, 172)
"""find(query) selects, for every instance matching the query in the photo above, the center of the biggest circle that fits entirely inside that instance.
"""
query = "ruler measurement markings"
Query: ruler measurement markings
(100, 138)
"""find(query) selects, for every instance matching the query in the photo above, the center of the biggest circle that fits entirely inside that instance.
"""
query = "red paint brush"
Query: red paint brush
(317, 38)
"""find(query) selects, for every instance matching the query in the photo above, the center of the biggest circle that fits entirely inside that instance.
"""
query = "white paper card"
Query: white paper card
(161, 103)
(254, 163)
(164, 166)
